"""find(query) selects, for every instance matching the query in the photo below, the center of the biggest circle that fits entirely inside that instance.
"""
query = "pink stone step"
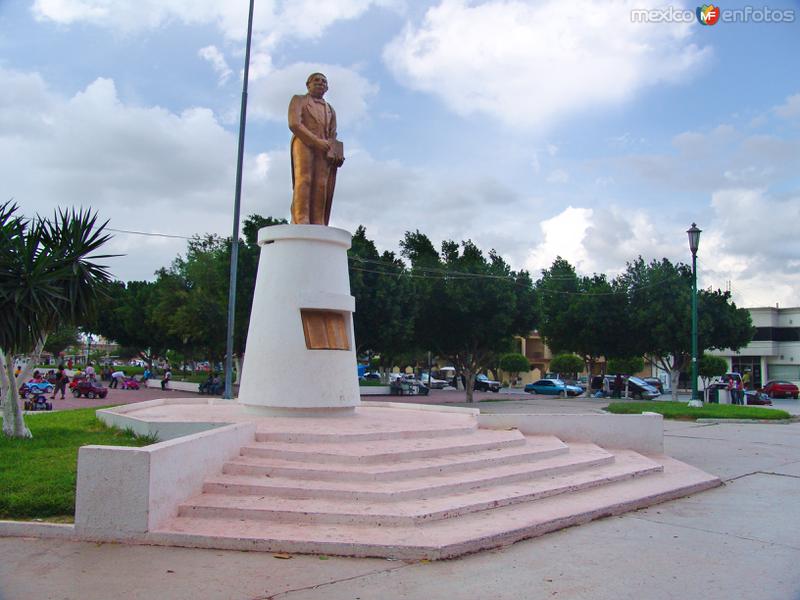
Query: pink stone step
(375, 451)
(536, 447)
(442, 538)
(410, 432)
(425, 486)
(341, 511)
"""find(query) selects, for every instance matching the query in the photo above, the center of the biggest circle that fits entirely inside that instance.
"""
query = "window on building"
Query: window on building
(787, 372)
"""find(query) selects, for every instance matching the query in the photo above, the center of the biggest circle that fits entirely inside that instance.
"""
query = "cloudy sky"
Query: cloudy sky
(537, 128)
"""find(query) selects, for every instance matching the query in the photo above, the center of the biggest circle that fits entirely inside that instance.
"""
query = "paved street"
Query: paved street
(737, 541)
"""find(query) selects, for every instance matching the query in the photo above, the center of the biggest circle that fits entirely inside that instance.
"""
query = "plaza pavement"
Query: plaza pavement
(739, 541)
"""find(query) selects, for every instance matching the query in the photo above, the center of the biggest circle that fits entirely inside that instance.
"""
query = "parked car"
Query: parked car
(89, 388)
(408, 386)
(553, 387)
(724, 379)
(655, 382)
(484, 384)
(433, 382)
(639, 389)
(781, 389)
(756, 397)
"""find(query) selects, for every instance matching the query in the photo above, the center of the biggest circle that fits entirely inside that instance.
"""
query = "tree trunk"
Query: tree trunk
(674, 376)
(7, 382)
(13, 420)
(469, 376)
(237, 363)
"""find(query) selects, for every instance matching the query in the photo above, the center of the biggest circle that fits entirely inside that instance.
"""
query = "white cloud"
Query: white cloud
(530, 64)
(790, 108)
(260, 66)
(753, 244)
(217, 61)
(749, 241)
(145, 168)
(562, 235)
(306, 19)
(349, 93)
(713, 160)
(759, 226)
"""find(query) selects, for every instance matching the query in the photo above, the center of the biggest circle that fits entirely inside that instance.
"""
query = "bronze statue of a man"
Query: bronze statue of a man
(316, 153)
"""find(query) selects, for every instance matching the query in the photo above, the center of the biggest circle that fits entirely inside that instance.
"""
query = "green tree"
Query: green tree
(49, 277)
(570, 364)
(660, 308)
(587, 316)
(470, 304)
(61, 339)
(128, 314)
(385, 303)
(514, 363)
(711, 366)
(185, 308)
(628, 365)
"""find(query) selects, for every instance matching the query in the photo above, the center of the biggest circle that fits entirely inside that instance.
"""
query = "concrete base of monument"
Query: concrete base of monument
(390, 480)
(301, 323)
(276, 411)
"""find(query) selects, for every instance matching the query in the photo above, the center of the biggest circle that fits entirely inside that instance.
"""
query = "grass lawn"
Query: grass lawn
(680, 410)
(370, 383)
(37, 476)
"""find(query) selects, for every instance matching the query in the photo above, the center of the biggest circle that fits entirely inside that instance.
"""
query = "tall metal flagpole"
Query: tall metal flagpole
(236, 205)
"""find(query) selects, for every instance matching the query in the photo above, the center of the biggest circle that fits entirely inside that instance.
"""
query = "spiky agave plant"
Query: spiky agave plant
(49, 276)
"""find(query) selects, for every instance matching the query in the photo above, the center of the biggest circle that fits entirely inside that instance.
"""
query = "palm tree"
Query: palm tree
(48, 278)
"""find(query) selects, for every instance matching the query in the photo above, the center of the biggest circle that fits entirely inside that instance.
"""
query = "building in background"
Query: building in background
(774, 352)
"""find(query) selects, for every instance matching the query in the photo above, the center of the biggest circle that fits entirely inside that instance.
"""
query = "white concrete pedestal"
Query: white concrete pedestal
(302, 267)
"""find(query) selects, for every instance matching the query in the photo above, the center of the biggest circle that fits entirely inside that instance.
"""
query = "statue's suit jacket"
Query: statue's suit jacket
(305, 125)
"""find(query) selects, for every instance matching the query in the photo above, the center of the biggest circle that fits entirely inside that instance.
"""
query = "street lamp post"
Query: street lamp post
(694, 243)
(228, 393)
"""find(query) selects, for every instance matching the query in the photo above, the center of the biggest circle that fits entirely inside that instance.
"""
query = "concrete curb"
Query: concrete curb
(755, 421)
(38, 529)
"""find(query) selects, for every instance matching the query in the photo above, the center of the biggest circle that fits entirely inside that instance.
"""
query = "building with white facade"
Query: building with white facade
(774, 352)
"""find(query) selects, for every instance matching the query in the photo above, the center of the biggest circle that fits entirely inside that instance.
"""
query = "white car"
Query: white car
(433, 383)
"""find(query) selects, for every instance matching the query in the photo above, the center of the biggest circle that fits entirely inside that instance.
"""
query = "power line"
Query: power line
(432, 273)
(455, 275)
(163, 235)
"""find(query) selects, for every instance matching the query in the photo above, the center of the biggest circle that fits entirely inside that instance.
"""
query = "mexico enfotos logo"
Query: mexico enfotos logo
(710, 14)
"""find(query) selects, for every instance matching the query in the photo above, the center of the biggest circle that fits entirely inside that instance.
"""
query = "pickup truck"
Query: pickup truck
(484, 384)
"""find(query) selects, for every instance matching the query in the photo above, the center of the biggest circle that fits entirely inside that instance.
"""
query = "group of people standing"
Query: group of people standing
(736, 390)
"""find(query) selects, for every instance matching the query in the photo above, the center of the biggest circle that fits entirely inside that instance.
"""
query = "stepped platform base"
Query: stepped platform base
(447, 538)
(407, 482)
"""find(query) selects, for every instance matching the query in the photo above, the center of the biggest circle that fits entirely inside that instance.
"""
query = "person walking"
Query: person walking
(61, 383)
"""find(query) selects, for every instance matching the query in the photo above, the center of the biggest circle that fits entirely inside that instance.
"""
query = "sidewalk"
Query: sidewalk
(738, 542)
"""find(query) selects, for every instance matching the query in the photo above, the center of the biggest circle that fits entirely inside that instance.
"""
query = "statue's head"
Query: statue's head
(317, 85)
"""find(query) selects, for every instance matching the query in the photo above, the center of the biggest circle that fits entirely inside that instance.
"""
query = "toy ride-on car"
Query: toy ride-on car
(90, 389)
(129, 383)
(38, 396)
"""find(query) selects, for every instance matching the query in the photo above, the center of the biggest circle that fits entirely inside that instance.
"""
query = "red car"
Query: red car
(781, 389)
(90, 389)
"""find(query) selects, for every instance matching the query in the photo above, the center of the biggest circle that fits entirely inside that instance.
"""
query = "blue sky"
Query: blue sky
(535, 128)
